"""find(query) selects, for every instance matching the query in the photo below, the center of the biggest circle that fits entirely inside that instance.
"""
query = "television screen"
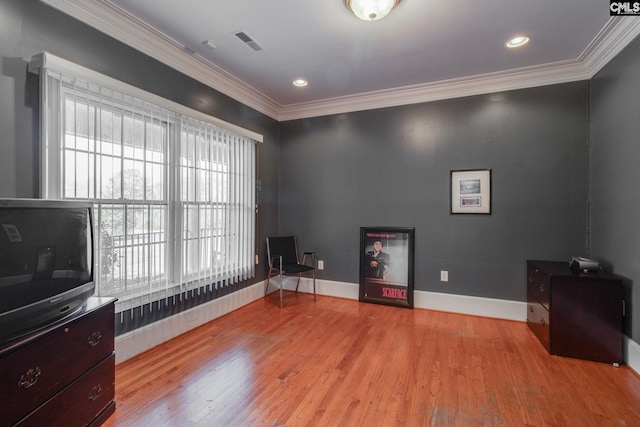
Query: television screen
(46, 262)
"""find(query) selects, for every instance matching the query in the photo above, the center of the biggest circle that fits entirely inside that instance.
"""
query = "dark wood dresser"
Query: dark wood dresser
(64, 374)
(575, 314)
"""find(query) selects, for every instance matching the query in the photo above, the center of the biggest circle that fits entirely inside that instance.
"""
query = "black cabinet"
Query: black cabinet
(64, 374)
(575, 314)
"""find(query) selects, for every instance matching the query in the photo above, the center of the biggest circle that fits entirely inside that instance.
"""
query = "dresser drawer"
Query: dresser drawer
(538, 286)
(35, 372)
(80, 402)
(538, 320)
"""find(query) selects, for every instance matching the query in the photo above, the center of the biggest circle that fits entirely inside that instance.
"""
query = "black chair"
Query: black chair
(282, 253)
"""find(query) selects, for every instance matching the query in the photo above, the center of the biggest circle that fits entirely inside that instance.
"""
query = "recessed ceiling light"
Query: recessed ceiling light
(300, 82)
(518, 41)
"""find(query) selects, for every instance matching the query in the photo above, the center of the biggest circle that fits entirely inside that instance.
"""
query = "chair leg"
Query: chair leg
(281, 282)
(298, 284)
(281, 291)
(314, 285)
(266, 287)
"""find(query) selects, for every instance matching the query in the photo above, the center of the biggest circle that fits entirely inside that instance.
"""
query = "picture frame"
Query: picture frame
(470, 191)
(387, 265)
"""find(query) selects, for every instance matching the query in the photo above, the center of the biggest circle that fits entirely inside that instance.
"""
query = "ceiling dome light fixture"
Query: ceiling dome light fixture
(517, 41)
(300, 82)
(371, 10)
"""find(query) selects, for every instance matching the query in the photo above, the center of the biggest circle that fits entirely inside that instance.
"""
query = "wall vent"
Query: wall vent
(248, 40)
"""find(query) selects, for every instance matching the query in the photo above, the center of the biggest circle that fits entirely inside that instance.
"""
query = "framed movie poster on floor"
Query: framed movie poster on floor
(386, 265)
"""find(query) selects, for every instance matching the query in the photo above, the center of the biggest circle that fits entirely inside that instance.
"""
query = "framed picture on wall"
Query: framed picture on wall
(471, 191)
(386, 265)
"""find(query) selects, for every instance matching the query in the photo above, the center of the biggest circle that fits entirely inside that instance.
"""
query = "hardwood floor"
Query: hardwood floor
(339, 362)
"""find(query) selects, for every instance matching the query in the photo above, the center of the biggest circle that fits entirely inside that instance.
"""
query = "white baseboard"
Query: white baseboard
(475, 306)
(140, 340)
(631, 354)
(462, 304)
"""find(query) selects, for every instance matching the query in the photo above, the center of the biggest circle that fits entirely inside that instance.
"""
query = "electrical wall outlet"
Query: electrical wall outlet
(444, 276)
(320, 264)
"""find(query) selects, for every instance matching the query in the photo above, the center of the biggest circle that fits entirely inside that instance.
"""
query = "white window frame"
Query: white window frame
(51, 173)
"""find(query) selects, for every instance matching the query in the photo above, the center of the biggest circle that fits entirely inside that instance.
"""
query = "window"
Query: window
(173, 193)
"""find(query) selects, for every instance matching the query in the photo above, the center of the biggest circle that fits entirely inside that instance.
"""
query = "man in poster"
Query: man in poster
(377, 265)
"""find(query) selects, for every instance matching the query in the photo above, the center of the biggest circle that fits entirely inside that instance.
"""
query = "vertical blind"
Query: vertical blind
(174, 203)
(217, 204)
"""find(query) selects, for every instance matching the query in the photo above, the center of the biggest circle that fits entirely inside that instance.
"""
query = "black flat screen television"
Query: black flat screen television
(46, 262)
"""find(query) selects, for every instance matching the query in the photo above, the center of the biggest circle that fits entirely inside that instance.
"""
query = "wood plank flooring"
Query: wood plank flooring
(339, 362)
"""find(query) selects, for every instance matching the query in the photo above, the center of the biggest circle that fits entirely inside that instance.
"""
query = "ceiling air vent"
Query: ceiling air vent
(246, 39)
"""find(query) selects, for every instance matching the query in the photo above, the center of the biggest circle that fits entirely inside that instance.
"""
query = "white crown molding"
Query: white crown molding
(117, 23)
(49, 61)
(614, 36)
(122, 26)
(560, 72)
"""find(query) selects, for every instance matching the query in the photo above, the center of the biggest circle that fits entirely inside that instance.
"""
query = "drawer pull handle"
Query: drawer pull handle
(94, 339)
(95, 393)
(541, 289)
(530, 279)
(29, 378)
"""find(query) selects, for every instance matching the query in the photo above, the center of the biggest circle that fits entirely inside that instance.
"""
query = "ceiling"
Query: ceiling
(424, 50)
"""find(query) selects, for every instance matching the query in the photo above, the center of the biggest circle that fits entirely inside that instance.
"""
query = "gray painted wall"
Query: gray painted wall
(615, 174)
(390, 167)
(28, 27)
